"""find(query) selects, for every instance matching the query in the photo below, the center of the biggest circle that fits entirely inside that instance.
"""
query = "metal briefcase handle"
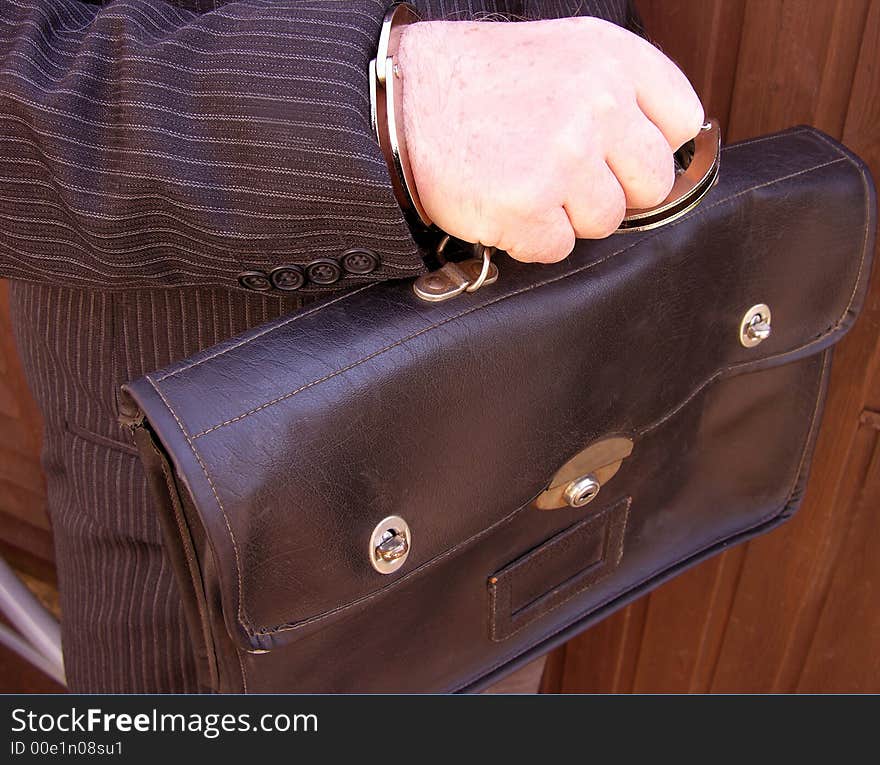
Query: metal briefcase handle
(699, 160)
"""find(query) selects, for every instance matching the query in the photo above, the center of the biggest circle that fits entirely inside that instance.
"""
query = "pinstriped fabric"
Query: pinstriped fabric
(148, 153)
(123, 625)
(146, 145)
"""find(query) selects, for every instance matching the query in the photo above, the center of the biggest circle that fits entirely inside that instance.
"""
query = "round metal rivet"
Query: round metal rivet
(255, 280)
(390, 544)
(323, 271)
(755, 325)
(582, 491)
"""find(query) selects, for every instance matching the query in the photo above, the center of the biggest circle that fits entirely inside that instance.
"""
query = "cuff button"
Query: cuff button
(358, 261)
(323, 271)
(254, 280)
(287, 278)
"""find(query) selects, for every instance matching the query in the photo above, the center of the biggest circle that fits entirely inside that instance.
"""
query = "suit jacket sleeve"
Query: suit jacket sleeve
(145, 145)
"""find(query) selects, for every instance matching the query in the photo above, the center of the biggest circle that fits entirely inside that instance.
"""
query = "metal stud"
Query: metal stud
(755, 325)
(390, 544)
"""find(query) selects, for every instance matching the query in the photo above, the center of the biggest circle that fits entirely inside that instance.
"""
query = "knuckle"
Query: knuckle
(546, 245)
(612, 209)
(606, 93)
(655, 173)
(567, 144)
(659, 181)
(522, 198)
(597, 203)
(606, 225)
(690, 116)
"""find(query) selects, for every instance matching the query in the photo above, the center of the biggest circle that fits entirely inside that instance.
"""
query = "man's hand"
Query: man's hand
(526, 135)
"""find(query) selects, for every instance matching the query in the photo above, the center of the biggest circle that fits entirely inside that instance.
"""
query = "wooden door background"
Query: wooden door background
(800, 608)
(24, 526)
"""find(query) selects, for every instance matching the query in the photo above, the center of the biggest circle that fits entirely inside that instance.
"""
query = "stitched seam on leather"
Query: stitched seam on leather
(763, 138)
(434, 561)
(243, 674)
(867, 195)
(195, 572)
(833, 328)
(240, 610)
(699, 211)
(353, 292)
(522, 290)
(424, 567)
(776, 512)
(266, 331)
(627, 501)
(376, 593)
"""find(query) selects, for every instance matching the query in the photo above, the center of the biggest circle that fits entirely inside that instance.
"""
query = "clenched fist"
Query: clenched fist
(526, 135)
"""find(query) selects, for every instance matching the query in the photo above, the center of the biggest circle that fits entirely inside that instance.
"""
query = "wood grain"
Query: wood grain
(798, 609)
(710, 57)
(23, 520)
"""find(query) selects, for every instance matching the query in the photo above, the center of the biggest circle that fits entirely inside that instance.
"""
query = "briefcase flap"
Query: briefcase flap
(295, 440)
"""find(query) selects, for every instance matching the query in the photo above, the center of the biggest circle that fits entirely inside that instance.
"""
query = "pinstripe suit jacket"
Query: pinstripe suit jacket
(150, 152)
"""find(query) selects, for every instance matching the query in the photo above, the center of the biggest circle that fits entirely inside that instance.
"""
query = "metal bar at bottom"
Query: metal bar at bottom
(12, 640)
(40, 631)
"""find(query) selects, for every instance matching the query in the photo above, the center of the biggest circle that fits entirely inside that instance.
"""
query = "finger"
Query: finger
(667, 98)
(548, 238)
(641, 159)
(597, 204)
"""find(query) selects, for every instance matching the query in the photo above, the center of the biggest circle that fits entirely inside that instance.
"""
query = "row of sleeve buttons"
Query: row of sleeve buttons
(322, 271)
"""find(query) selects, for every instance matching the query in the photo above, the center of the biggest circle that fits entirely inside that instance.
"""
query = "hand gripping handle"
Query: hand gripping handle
(700, 158)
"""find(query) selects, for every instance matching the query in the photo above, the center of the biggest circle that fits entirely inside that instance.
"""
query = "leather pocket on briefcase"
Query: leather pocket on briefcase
(340, 486)
(553, 573)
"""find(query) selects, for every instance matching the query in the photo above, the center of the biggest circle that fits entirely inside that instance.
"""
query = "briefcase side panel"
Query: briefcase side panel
(289, 465)
(439, 632)
(178, 533)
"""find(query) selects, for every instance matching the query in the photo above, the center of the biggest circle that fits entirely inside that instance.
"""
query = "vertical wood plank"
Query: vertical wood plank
(23, 519)
(796, 62)
(796, 609)
(703, 39)
(604, 658)
(844, 650)
(787, 575)
(685, 626)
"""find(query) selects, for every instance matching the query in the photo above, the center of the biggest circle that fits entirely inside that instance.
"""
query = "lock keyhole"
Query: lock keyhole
(582, 491)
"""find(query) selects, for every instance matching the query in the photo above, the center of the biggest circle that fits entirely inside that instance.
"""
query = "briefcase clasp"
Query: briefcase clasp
(453, 278)
(578, 481)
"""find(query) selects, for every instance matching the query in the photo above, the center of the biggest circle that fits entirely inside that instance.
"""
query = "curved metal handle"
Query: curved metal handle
(701, 158)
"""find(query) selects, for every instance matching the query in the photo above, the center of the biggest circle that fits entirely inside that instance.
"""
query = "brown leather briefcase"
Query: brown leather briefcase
(383, 494)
